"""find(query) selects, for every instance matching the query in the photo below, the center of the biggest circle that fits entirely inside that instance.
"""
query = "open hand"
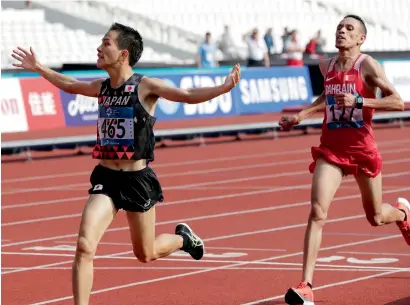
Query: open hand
(233, 78)
(28, 60)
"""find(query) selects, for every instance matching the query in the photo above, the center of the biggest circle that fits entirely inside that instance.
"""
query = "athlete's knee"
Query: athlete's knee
(375, 219)
(85, 249)
(144, 255)
(318, 214)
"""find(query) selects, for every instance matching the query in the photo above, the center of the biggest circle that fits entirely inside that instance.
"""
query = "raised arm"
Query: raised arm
(29, 62)
(374, 75)
(157, 87)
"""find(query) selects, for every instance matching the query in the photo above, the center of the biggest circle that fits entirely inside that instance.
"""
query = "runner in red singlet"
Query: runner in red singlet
(347, 145)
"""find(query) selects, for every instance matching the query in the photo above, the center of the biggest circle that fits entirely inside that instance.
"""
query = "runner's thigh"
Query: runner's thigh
(326, 180)
(97, 215)
(371, 191)
(142, 230)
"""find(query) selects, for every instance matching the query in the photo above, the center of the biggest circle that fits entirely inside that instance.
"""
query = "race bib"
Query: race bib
(116, 126)
(338, 117)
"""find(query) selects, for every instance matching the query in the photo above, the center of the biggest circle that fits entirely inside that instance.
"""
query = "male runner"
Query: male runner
(125, 146)
(347, 145)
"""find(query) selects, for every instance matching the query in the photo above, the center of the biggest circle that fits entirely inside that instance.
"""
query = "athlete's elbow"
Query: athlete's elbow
(68, 88)
(188, 97)
(400, 105)
(395, 103)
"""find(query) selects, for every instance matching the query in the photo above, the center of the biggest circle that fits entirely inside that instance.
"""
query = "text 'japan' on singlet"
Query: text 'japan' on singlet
(124, 127)
(347, 128)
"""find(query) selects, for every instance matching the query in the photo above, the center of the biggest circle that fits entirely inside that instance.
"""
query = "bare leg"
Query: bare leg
(97, 216)
(326, 181)
(146, 247)
(377, 212)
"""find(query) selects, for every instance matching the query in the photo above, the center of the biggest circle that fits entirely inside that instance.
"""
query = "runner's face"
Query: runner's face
(349, 34)
(108, 52)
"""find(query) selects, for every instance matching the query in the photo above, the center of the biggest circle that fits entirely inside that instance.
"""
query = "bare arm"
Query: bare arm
(286, 122)
(70, 84)
(374, 75)
(267, 59)
(157, 87)
(317, 105)
(198, 60)
(66, 83)
(320, 102)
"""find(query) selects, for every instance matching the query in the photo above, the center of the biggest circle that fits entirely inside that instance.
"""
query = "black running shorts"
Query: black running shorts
(133, 191)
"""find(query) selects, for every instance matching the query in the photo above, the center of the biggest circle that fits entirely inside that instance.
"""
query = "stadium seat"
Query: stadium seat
(181, 24)
(307, 16)
(54, 43)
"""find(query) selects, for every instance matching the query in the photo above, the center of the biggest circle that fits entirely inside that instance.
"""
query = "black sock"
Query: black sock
(405, 215)
(185, 241)
(310, 285)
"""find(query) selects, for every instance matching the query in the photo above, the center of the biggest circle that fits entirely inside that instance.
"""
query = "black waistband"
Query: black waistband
(122, 172)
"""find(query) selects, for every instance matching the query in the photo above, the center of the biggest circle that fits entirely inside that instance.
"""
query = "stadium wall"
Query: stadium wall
(31, 103)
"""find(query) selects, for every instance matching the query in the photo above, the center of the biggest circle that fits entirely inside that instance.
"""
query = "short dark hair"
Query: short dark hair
(129, 39)
(358, 18)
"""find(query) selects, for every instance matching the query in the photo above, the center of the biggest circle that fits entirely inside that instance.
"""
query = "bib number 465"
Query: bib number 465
(113, 128)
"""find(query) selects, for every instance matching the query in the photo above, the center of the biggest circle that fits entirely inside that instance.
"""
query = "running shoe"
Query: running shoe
(404, 226)
(195, 246)
(301, 295)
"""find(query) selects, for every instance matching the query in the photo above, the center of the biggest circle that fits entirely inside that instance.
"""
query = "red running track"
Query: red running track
(248, 199)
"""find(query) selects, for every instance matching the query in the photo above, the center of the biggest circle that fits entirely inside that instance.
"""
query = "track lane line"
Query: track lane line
(201, 217)
(201, 161)
(225, 181)
(199, 199)
(15, 191)
(215, 261)
(165, 165)
(282, 228)
(118, 287)
(358, 279)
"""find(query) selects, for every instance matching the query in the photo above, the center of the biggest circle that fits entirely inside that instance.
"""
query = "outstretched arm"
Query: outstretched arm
(28, 61)
(70, 84)
(374, 75)
(157, 87)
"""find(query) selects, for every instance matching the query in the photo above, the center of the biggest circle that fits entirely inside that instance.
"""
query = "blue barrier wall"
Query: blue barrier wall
(259, 91)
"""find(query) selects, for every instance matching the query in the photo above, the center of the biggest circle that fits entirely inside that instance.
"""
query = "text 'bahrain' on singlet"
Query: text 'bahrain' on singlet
(347, 128)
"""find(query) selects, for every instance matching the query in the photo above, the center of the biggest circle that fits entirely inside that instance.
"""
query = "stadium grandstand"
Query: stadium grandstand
(70, 31)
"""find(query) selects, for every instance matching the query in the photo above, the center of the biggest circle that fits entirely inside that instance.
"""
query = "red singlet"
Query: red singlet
(347, 135)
